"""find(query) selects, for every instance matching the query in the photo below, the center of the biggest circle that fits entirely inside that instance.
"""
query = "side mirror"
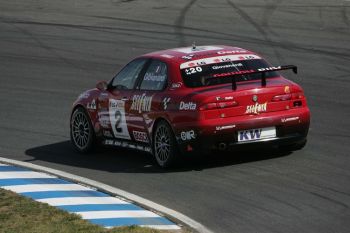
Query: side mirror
(102, 85)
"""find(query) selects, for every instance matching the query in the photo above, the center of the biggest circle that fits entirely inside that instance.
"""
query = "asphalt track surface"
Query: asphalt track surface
(50, 51)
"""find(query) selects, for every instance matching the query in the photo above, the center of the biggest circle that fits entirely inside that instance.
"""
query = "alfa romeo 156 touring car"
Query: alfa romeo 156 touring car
(192, 99)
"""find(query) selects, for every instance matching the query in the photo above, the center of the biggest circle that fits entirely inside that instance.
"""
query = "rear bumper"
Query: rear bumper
(291, 127)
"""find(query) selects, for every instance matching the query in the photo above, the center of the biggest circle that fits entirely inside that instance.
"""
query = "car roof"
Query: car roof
(184, 54)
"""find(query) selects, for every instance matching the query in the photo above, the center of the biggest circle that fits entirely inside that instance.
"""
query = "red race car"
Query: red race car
(190, 100)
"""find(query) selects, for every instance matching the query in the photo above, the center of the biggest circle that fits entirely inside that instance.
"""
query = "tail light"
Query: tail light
(282, 97)
(296, 98)
(219, 105)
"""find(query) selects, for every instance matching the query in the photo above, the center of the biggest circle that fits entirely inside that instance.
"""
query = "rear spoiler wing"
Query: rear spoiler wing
(261, 71)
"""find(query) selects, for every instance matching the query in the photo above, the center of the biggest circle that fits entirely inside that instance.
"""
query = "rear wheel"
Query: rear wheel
(164, 145)
(81, 131)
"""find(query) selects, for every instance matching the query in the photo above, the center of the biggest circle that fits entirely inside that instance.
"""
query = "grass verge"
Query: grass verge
(20, 214)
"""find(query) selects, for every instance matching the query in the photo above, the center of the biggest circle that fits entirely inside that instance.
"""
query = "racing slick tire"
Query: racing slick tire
(165, 148)
(82, 134)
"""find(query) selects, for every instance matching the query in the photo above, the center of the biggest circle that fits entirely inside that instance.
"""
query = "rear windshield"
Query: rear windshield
(219, 73)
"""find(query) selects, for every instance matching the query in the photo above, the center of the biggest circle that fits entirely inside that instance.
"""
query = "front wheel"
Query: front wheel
(164, 145)
(81, 131)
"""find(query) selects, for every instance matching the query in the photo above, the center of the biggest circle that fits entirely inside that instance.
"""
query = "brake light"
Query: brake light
(210, 106)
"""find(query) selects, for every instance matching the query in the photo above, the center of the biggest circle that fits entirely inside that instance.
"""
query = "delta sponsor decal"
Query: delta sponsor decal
(256, 108)
(140, 136)
(187, 106)
(141, 103)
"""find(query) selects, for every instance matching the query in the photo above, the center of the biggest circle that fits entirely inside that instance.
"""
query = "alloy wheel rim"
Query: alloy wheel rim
(80, 130)
(162, 144)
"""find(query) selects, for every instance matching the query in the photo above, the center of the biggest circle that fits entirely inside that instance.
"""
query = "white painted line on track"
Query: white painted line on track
(162, 227)
(107, 188)
(23, 175)
(61, 201)
(45, 187)
(117, 214)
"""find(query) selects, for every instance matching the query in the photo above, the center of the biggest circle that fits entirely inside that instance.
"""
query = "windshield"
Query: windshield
(219, 73)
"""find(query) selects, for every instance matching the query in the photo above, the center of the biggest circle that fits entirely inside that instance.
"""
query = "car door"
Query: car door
(146, 100)
(115, 101)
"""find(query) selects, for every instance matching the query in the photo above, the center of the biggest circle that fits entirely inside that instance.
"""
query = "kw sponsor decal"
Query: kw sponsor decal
(250, 135)
(187, 135)
(165, 101)
(141, 103)
(140, 136)
(187, 106)
(256, 108)
(92, 105)
(284, 120)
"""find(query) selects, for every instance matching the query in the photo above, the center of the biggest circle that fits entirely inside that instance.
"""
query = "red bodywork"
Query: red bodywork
(202, 117)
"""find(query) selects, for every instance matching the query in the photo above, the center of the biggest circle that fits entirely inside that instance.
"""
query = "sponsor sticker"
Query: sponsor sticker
(232, 51)
(92, 105)
(165, 102)
(107, 133)
(140, 136)
(218, 128)
(284, 120)
(187, 106)
(155, 78)
(217, 59)
(256, 108)
(256, 134)
(117, 119)
(187, 135)
(176, 85)
(110, 142)
(141, 103)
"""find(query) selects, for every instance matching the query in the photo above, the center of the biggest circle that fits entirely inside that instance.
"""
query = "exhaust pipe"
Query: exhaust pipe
(222, 146)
